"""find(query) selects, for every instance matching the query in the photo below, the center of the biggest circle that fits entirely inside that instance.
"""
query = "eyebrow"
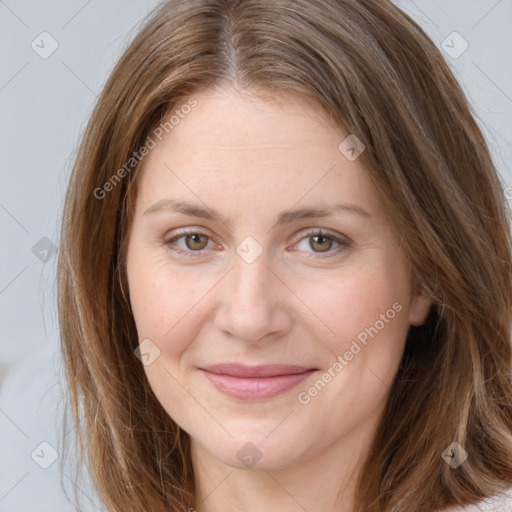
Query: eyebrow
(286, 217)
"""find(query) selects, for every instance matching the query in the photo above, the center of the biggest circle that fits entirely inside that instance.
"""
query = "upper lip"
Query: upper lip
(269, 370)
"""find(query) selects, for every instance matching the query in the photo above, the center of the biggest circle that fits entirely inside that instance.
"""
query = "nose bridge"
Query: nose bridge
(252, 280)
(251, 273)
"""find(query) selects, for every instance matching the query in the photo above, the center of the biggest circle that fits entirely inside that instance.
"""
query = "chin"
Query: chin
(256, 452)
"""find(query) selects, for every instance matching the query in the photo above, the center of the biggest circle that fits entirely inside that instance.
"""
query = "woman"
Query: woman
(285, 269)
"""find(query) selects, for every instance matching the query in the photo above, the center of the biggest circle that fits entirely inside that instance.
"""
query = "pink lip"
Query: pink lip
(256, 382)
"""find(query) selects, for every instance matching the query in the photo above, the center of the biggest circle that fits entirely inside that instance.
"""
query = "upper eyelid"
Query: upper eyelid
(304, 233)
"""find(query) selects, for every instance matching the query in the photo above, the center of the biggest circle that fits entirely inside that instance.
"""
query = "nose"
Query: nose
(253, 303)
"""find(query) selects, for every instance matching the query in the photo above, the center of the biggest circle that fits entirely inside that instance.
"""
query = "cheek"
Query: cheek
(367, 310)
(166, 302)
(359, 304)
(166, 305)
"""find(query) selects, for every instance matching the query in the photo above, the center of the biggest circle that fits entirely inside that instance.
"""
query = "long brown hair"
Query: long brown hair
(377, 75)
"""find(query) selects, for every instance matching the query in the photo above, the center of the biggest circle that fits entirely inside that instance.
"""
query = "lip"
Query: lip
(255, 382)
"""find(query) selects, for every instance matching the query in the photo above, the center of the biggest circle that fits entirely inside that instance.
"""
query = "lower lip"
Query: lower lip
(255, 388)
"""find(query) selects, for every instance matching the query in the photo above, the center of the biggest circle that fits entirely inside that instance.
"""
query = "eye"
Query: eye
(191, 241)
(319, 241)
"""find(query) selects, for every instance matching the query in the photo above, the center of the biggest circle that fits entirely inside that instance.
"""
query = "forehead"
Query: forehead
(281, 147)
(232, 120)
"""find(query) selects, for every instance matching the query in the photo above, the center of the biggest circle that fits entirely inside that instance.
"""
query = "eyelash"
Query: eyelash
(344, 243)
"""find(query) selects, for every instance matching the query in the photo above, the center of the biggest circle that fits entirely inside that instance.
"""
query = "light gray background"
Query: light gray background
(44, 105)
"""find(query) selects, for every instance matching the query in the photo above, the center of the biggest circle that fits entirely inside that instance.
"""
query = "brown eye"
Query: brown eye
(188, 243)
(320, 243)
(196, 241)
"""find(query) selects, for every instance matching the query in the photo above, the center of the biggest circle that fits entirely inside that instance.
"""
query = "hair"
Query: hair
(376, 73)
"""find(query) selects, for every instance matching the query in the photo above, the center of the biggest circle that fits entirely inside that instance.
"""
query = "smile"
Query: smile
(255, 383)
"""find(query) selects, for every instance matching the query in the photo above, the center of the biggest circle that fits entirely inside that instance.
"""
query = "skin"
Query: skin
(302, 301)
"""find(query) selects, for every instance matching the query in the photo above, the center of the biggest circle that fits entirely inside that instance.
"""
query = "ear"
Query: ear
(419, 307)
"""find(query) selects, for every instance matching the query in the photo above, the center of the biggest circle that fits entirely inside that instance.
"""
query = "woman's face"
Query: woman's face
(227, 266)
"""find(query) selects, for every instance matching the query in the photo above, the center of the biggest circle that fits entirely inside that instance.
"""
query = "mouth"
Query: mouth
(255, 382)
